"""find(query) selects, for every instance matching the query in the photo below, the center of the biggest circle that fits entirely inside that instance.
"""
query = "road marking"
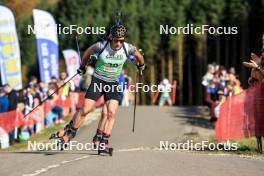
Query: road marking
(139, 149)
(46, 169)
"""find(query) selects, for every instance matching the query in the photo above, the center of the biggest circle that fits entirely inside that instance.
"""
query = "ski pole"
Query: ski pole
(50, 95)
(135, 105)
(78, 49)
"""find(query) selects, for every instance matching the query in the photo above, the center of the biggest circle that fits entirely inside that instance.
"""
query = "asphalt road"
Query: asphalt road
(136, 153)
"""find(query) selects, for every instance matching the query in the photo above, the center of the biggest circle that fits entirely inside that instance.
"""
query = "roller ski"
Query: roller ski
(104, 148)
(64, 135)
(96, 140)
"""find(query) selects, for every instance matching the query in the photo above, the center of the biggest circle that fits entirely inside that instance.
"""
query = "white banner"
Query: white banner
(10, 61)
(72, 61)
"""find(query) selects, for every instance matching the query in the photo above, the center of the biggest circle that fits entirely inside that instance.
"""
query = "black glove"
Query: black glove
(141, 68)
(92, 60)
(81, 70)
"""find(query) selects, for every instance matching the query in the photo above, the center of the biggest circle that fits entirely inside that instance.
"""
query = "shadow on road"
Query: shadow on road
(195, 116)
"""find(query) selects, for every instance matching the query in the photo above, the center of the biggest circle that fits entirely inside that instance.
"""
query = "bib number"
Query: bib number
(109, 67)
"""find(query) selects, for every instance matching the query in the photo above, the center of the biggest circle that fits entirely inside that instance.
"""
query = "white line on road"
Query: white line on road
(46, 169)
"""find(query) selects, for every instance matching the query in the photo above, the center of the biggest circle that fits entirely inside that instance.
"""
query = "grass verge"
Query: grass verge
(247, 147)
(42, 136)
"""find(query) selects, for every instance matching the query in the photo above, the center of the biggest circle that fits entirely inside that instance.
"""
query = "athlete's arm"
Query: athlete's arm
(139, 57)
(86, 56)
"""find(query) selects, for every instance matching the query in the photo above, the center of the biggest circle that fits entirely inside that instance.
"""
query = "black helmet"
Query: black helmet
(118, 31)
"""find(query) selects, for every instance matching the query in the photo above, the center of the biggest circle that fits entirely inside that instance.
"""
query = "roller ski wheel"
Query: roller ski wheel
(57, 135)
(53, 136)
(64, 136)
(108, 151)
(62, 141)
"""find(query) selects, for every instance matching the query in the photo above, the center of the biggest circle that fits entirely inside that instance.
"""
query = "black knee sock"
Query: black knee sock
(99, 133)
(106, 137)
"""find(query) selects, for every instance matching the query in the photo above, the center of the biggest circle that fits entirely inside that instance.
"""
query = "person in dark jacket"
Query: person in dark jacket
(13, 100)
(12, 97)
(4, 102)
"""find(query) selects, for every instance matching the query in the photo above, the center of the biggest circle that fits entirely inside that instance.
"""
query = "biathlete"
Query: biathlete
(109, 57)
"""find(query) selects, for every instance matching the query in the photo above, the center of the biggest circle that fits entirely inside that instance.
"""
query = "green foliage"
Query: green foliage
(28, 47)
(143, 19)
(236, 11)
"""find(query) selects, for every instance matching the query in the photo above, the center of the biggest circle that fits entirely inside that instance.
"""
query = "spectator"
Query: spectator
(12, 97)
(53, 79)
(209, 75)
(29, 100)
(42, 90)
(4, 102)
(165, 90)
(13, 100)
(68, 87)
(33, 81)
(56, 109)
(222, 99)
(218, 83)
(257, 71)
(236, 87)
(21, 94)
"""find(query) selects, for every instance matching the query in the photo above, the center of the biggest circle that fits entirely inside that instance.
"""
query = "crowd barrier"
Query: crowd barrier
(16, 119)
(242, 115)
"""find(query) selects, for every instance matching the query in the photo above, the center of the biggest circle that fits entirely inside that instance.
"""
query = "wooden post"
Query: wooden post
(174, 96)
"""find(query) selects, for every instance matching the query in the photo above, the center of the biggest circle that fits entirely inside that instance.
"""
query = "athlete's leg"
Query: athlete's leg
(91, 96)
(70, 130)
(80, 115)
(112, 100)
(101, 125)
(112, 106)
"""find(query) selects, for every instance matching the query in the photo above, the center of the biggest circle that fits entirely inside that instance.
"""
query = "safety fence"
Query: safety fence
(12, 120)
(242, 115)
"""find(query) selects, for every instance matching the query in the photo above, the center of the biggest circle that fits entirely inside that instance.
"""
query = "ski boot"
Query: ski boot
(64, 135)
(96, 140)
(104, 148)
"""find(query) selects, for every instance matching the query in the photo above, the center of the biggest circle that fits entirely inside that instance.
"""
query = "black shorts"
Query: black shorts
(99, 87)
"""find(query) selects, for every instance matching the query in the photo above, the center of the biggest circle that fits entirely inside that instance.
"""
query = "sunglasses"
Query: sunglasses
(117, 40)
